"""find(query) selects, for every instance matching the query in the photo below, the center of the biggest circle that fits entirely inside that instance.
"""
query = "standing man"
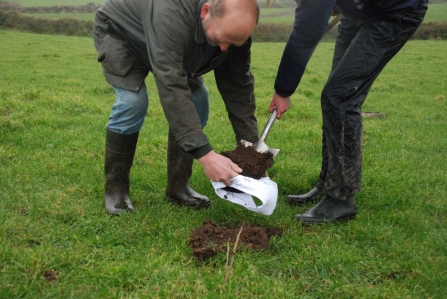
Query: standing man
(370, 34)
(178, 41)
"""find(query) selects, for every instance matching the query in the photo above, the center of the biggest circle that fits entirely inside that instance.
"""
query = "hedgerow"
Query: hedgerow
(264, 32)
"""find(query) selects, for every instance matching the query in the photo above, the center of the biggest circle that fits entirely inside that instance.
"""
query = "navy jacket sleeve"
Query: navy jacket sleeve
(311, 20)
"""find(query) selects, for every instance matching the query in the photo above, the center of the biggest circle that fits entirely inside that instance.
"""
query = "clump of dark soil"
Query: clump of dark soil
(253, 164)
(51, 275)
(209, 239)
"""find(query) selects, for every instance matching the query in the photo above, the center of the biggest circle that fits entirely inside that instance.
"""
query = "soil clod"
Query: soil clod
(210, 239)
(253, 164)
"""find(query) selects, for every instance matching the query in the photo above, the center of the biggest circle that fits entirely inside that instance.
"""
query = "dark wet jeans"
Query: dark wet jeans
(362, 50)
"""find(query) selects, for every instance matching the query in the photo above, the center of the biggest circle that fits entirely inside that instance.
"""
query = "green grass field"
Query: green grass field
(57, 241)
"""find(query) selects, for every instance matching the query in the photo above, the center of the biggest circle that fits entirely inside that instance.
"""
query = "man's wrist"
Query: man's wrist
(284, 94)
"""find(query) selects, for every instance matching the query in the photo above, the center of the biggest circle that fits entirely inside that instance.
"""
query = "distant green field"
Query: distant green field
(55, 2)
(436, 12)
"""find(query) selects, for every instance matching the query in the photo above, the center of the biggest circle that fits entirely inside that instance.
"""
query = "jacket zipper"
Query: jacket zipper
(195, 74)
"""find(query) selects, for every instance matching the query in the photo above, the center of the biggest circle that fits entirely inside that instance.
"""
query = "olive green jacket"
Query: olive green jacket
(165, 37)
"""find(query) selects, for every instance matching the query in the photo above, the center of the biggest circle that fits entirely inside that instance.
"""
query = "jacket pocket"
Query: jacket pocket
(115, 56)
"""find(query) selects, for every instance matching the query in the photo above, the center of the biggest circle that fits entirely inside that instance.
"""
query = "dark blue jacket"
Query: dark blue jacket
(311, 20)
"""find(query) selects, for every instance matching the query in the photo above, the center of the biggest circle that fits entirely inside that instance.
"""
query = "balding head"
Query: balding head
(229, 22)
(248, 8)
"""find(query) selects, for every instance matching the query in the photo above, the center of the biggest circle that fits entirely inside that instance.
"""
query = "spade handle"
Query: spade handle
(269, 125)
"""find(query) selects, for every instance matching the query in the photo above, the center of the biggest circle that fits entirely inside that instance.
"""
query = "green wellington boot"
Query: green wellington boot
(120, 151)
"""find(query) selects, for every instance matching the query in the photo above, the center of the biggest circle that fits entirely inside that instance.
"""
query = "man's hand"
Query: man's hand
(219, 168)
(282, 104)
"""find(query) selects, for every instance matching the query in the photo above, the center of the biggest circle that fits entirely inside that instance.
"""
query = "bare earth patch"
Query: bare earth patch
(210, 239)
(51, 275)
(373, 115)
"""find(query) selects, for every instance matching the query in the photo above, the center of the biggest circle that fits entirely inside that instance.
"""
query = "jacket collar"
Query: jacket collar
(200, 36)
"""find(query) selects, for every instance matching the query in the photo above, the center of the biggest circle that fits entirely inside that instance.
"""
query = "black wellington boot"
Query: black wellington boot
(329, 210)
(120, 151)
(179, 171)
(304, 198)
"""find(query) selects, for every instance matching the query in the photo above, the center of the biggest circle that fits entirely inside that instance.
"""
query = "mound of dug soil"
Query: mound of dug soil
(253, 164)
(209, 239)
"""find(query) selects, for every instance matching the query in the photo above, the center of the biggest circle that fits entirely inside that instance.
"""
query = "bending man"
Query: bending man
(178, 41)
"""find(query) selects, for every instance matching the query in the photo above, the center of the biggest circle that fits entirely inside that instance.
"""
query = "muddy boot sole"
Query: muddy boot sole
(198, 205)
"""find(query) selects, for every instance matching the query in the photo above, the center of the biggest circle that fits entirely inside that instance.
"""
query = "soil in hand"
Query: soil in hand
(253, 164)
(210, 239)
